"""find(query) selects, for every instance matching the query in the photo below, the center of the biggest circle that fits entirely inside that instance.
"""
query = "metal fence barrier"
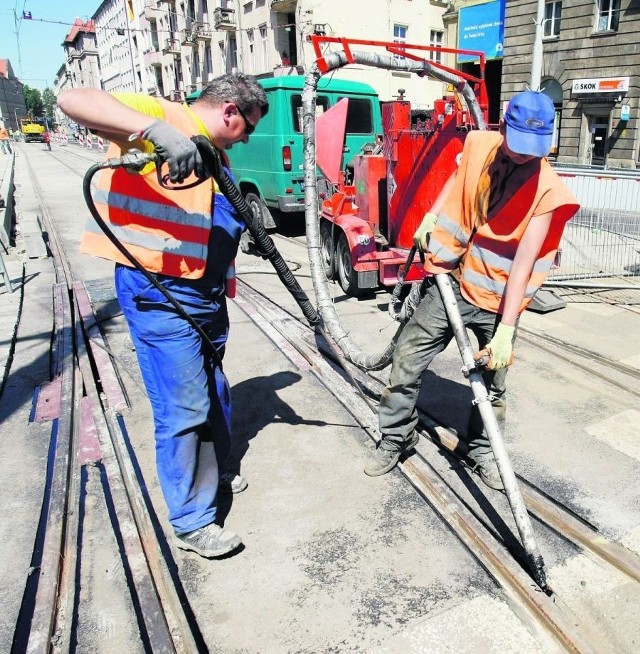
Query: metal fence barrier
(603, 239)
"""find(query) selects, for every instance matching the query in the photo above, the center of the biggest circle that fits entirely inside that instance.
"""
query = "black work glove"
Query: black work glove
(180, 153)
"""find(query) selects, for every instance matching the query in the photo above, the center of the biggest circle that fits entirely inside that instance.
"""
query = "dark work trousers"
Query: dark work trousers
(426, 334)
(189, 394)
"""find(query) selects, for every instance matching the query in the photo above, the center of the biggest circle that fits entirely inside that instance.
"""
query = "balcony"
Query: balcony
(201, 30)
(224, 19)
(151, 10)
(284, 6)
(171, 46)
(153, 58)
(187, 37)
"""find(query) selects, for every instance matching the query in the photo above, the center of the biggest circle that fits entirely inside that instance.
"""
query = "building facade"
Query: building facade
(173, 47)
(12, 104)
(82, 66)
(591, 71)
(589, 60)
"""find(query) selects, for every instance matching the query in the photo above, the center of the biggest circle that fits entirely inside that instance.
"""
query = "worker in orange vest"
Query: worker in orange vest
(4, 140)
(188, 239)
(495, 229)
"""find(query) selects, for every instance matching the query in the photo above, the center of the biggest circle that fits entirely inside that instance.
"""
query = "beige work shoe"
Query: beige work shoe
(209, 541)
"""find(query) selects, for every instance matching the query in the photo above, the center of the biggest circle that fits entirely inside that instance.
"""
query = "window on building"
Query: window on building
(435, 41)
(400, 33)
(552, 14)
(264, 46)
(399, 36)
(208, 62)
(223, 55)
(233, 52)
(196, 65)
(252, 54)
(608, 15)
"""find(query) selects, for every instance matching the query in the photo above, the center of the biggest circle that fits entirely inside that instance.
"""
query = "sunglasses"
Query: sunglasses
(249, 129)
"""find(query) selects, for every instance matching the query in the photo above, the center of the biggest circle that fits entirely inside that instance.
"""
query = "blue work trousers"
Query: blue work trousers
(189, 394)
(426, 334)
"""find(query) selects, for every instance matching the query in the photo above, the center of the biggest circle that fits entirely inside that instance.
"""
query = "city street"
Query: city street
(333, 561)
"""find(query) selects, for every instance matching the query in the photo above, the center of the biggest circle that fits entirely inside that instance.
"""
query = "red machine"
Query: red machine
(367, 224)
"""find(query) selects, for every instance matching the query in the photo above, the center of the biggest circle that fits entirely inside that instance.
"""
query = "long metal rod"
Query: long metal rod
(511, 488)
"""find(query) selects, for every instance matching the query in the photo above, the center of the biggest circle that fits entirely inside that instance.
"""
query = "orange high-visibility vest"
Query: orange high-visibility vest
(166, 231)
(482, 258)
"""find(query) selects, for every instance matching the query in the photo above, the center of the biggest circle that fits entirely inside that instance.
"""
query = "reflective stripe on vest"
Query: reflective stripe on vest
(155, 210)
(150, 240)
(166, 231)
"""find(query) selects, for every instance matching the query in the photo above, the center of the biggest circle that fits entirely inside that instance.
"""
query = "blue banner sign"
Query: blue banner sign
(481, 27)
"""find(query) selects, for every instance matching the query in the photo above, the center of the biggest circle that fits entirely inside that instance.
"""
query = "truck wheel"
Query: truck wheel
(347, 276)
(327, 250)
(260, 210)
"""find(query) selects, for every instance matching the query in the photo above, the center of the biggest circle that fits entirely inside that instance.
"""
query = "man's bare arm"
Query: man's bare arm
(102, 113)
(522, 265)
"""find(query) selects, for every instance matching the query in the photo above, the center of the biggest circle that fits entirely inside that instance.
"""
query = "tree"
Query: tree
(33, 100)
(48, 102)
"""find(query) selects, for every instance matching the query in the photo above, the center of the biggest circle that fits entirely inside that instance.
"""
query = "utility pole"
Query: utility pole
(536, 59)
(129, 43)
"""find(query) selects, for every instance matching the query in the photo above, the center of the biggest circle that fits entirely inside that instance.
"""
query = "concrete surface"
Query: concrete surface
(333, 560)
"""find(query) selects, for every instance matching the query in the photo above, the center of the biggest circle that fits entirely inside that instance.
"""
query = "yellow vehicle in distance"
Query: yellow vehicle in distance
(32, 130)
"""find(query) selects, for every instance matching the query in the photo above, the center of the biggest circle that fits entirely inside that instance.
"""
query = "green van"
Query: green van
(269, 168)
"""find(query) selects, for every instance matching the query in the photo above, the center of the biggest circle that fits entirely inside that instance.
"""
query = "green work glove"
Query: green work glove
(500, 347)
(423, 233)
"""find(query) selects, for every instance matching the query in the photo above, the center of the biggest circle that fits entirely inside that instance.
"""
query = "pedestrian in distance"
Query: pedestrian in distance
(494, 229)
(4, 140)
(47, 139)
(188, 239)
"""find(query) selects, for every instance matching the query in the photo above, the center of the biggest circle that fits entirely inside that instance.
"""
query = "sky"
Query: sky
(34, 46)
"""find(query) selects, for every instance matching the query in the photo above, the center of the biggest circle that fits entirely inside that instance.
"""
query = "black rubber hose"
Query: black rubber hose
(266, 246)
(86, 191)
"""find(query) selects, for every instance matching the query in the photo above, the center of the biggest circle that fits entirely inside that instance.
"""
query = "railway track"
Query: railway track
(359, 392)
(92, 460)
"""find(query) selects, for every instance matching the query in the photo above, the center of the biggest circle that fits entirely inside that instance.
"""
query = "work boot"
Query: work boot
(486, 467)
(230, 483)
(209, 541)
(387, 455)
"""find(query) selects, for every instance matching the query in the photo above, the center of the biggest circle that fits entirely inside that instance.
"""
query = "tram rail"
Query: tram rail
(356, 390)
(84, 400)
(88, 428)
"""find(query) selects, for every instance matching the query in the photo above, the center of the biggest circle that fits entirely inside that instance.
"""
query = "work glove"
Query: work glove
(423, 233)
(500, 348)
(180, 153)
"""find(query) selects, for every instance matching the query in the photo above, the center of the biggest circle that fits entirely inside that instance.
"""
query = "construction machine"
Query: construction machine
(32, 130)
(370, 210)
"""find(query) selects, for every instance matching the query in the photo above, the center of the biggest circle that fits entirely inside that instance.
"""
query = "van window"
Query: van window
(322, 104)
(359, 116)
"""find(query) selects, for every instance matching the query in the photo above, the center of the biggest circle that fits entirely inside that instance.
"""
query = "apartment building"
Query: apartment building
(590, 69)
(173, 47)
(82, 67)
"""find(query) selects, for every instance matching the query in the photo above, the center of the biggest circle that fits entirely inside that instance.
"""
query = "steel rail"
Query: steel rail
(530, 336)
(491, 554)
(49, 620)
(144, 592)
(545, 508)
(60, 524)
